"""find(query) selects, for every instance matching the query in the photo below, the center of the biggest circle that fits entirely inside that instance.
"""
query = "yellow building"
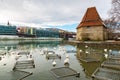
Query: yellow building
(91, 27)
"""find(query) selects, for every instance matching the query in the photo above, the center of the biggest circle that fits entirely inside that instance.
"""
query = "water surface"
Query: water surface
(43, 65)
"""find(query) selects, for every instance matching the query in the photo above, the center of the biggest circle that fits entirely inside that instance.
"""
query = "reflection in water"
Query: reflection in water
(88, 54)
(27, 44)
(89, 67)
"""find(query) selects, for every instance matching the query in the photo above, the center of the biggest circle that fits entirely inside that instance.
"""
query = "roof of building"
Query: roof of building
(91, 18)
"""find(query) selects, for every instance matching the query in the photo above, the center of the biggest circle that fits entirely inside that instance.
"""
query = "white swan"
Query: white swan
(86, 52)
(54, 48)
(29, 58)
(41, 53)
(64, 51)
(86, 46)
(17, 57)
(54, 63)
(106, 55)
(46, 49)
(80, 50)
(105, 50)
(119, 52)
(60, 48)
(67, 56)
(72, 49)
(110, 50)
(66, 61)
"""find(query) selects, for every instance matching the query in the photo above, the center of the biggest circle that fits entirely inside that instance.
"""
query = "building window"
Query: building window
(88, 26)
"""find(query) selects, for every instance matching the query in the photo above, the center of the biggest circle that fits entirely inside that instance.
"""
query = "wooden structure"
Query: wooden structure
(114, 64)
(62, 72)
(106, 74)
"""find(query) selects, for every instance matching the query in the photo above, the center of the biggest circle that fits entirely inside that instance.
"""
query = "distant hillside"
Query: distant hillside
(58, 30)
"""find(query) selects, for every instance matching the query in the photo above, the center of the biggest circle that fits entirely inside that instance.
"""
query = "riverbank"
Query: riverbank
(28, 38)
(97, 44)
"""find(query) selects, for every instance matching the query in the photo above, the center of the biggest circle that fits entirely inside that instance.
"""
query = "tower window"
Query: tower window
(88, 26)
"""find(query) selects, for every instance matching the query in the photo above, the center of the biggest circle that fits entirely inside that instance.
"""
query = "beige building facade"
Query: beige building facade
(92, 33)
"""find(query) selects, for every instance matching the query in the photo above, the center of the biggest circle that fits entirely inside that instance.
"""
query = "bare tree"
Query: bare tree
(115, 10)
(113, 22)
(114, 13)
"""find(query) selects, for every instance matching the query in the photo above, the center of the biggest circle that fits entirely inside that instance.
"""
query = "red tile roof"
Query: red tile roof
(91, 18)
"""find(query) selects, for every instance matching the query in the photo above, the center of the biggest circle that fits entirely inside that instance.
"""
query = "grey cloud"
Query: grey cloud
(50, 11)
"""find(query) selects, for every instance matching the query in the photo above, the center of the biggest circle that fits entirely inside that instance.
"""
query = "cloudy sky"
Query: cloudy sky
(64, 14)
